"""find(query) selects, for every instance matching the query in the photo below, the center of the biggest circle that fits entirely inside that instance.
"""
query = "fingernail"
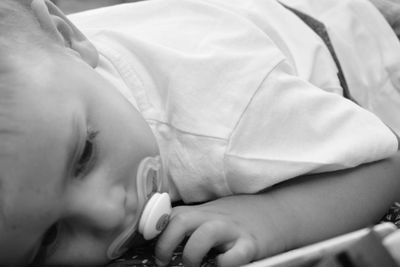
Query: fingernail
(161, 263)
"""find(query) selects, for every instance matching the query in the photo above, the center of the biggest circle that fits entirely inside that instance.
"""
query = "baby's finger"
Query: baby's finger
(207, 236)
(243, 251)
(178, 228)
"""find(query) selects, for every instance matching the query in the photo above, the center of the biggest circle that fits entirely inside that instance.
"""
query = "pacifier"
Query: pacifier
(155, 206)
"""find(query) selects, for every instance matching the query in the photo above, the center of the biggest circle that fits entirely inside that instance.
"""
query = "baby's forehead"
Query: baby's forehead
(20, 73)
(15, 91)
(11, 124)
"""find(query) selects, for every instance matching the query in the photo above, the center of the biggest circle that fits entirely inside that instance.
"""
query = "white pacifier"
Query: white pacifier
(155, 206)
(155, 215)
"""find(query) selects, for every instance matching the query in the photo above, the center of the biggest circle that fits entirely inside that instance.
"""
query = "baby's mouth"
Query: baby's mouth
(154, 209)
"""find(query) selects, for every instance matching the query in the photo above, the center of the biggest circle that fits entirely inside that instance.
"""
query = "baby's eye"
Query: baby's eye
(48, 245)
(86, 158)
(50, 236)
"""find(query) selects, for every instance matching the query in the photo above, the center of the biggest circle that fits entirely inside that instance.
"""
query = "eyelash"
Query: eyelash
(87, 156)
(49, 244)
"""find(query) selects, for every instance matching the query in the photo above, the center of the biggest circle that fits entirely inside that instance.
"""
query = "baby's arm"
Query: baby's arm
(305, 210)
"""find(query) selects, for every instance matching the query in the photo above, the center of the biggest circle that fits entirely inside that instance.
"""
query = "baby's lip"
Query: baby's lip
(130, 207)
(128, 236)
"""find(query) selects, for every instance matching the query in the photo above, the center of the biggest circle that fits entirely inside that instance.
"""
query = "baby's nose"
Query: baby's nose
(103, 209)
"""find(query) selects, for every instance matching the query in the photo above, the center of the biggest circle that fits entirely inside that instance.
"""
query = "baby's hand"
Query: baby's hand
(237, 228)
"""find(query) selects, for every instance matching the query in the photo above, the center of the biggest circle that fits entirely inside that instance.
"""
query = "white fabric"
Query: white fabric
(241, 94)
(368, 51)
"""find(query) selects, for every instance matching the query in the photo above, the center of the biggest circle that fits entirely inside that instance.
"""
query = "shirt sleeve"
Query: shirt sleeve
(291, 128)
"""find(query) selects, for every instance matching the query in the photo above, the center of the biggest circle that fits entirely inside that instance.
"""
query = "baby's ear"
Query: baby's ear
(59, 27)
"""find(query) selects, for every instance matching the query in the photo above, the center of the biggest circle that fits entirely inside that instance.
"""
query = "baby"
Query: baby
(217, 101)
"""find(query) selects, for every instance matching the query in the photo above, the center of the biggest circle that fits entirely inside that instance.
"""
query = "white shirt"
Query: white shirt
(241, 94)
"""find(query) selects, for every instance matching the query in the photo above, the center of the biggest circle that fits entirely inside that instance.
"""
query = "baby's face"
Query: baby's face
(68, 169)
